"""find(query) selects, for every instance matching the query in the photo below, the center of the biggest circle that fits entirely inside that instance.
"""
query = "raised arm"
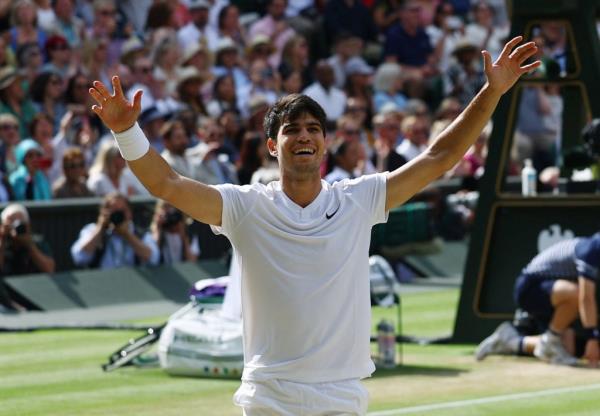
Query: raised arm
(450, 146)
(196, 199)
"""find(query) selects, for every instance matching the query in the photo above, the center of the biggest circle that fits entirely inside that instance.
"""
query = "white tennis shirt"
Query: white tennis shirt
(305, 278)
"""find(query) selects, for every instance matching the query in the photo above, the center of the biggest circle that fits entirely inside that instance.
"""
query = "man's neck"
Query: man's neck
(302, 191)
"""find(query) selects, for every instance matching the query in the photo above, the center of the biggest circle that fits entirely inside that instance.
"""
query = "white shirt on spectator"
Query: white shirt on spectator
(409, 150)
(298, 266)
(117, 251)
(332, 101)
(190, 34)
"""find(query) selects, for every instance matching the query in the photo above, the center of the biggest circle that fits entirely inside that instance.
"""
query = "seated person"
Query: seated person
(556, 287)
(112, 241)
(72, 183)
(21, 252)
(171, 234)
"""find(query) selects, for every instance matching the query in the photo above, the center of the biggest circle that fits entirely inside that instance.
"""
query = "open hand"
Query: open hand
(508, 68)
(115, 111)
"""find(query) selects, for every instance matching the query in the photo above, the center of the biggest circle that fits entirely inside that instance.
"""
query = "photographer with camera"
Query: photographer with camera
(112, 241)
(21, 251)
(171, 233)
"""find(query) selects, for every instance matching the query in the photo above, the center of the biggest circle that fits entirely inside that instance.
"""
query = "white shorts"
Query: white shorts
(288, 398)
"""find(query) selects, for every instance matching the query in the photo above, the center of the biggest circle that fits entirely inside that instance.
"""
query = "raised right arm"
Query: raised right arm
(196, 199)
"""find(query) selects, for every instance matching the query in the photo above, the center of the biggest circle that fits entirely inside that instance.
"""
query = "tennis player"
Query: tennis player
(303, 244)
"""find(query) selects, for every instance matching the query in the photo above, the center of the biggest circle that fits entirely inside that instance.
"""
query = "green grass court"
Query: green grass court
(58, 373)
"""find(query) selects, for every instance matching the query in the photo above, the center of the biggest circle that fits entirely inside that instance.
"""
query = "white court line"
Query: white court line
(483, 400)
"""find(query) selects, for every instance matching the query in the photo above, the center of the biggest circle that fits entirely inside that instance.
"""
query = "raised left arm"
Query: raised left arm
(449, 147)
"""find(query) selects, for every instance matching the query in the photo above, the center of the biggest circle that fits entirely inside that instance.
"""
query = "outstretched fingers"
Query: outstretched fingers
(523, 52)
(510, 45)
(116, 83)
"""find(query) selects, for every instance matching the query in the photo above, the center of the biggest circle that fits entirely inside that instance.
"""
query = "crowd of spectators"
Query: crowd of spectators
(390, 74)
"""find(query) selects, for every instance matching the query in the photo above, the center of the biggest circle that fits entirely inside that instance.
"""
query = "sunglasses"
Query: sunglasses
(9, 126)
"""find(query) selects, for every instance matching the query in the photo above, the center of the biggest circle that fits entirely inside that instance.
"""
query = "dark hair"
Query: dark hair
(223, 14)
(39, 84)
(289, 108)
(35, 121)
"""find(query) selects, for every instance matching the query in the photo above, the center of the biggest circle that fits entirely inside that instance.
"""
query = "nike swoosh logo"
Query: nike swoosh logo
(328, 216)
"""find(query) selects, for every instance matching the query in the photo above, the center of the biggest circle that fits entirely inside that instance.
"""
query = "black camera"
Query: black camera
(19, 227)
(172, 218)
(117, 217)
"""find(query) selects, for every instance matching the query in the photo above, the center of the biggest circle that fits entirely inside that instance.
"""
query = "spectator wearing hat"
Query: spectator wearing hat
(275, 26)
(198, 56)
(67, 24)
(28, 181)
(13, 99)
(29, 59)
(407, 42)
(260, 47)
(152, 120)
(484, 31)
(59, 56)
(189, 87)
(345, 47)
(465, 76)
(166, 60)
(24, 25)
(331, 98)
(263, 82)
(198, 29)
(227, 62)
(72, 182)
(387, 83)
(358, 80)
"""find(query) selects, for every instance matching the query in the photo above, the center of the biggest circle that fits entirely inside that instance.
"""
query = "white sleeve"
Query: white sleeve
(80, 256)
(369, 192)
(237, 204)
(151, 244)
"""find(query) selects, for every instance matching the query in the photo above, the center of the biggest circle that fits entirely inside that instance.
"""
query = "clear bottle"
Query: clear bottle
(386, 344)
(528, 179)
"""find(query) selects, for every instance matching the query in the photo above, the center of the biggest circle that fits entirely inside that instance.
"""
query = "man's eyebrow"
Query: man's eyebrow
(295, 124)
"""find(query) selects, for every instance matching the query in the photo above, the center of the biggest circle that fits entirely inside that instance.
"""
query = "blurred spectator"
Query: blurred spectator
(72, 183)
(555, 43)
(67, 25)
(233, 130)
(276, 26)
(105, 27)
(291, 82)
(407, 42)
(106, 174)
(198, 56)
(388, 83)
(259, 47)
(213, 167)
(24, 25)
(151, 121)
(346, 47)
(189, 85)
(13, 99)
(145, 81)
(386, 13)
(464, 77)
(358, 80)
(29, 60)
(415, 133)
(332, 99)
(166, 58)
(171, 234)
(484, 31)
(229, 26)
(346, 157)
(28, 181)
(113, 241)
(21, 251)
(263, 82)
(387, 129)
(448, 109)
(227, 62)
(60, 57)
(224, 97)
(349, 16)
(46, 92)
(198, 30)
(40, 130)
(295, 58)
(252, 155)
(9, 138)
(176, 142)
(444, 32)
(95, 62)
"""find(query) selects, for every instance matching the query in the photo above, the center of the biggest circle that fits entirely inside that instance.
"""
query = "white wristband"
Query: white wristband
(132, 142)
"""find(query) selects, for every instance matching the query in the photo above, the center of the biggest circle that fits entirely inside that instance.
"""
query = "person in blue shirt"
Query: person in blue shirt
(28, 181)
(555, 288)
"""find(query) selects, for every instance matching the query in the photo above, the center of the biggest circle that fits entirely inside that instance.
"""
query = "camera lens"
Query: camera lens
(117, 217)
(19, 227)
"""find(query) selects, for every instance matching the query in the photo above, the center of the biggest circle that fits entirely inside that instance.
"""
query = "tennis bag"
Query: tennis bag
(198, 341)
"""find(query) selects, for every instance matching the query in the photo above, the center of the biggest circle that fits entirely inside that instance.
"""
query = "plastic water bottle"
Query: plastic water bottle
(528, 179)
(386, 344)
